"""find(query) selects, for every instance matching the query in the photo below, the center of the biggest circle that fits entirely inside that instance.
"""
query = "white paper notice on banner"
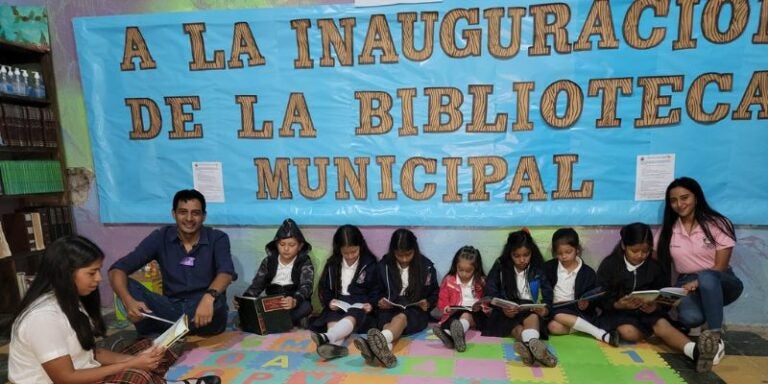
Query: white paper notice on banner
(653, 175)
(376, 3)
(209, 180)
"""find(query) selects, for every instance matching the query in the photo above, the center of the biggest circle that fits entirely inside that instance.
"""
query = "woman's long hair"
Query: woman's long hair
(56, 274)
(346, 236)
(702, 213)
(405, 240)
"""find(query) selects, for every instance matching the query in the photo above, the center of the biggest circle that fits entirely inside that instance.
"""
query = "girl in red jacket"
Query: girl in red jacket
(460, 292)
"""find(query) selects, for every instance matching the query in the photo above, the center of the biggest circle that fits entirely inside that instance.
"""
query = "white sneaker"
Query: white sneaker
(720, 353)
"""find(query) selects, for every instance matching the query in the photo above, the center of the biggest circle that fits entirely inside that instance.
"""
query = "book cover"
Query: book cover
(344, 306)
(403, 306)
(174, 333)
(499, 302)
(589, 295)
(263, 315)
(667, 296)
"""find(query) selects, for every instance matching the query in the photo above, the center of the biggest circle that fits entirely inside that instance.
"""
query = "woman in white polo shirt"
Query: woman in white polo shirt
(696, 242)
(53, 333)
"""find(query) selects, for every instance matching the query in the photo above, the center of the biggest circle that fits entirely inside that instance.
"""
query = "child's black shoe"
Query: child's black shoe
(365, 350)
(457, 333)
(541, 353)
(332, 351)
(522, 350)
(612, 338)
(318, 338)
(380, 349)
(443, 336)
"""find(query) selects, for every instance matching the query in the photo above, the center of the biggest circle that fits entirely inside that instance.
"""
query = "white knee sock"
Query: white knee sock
(464, 324)
(529, 334)
(389, 337)
(340, 330)
(688, 349)
(582, 325)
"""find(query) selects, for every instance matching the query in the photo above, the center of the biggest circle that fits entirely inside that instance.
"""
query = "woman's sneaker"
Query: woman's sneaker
(457, 333)
(443, 336)
(541, 353)
(705, 350)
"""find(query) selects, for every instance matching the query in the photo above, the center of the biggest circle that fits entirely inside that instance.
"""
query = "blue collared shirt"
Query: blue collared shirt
(211, 257)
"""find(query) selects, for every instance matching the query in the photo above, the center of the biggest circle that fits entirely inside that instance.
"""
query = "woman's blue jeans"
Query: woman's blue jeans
(705, 304)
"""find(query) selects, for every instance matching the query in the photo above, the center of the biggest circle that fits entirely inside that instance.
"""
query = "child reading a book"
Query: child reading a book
(54, 330)
(459, 298)
(408, 278)
(517, 276)
(287, 270)
(573, 279)
(628, 268)
(347, 291)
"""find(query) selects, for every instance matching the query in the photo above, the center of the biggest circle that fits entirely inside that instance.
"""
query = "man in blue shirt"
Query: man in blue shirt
(196, 267)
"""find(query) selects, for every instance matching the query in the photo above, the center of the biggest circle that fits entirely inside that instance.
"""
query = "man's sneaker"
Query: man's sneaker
(541, 353)
(365, 350)
(332, 351)
(380, 349)
(457, 333)
(705, 350)
(443, 336)
(524, 353)
(612, 338)
(720, 352)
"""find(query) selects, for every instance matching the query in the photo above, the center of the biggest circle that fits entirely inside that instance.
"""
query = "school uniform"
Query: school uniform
(391, 287)
(619, 278)
(502, 283)
(584, 281)
(361, 288)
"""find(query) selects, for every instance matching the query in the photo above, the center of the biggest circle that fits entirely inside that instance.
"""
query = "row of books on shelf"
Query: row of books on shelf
(33, 228)
(27, 126)
(21, 177)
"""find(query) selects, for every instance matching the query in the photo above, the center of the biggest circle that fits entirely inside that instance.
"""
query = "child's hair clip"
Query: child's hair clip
(526, 230)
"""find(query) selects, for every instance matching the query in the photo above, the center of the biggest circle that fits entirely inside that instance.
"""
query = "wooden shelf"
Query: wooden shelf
(53, 208)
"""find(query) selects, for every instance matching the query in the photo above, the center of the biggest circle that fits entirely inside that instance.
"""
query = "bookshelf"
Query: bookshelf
(34, 201)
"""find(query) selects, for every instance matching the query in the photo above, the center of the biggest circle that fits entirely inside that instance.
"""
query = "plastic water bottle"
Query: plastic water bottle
(38, 88)
(9, 86)
(3, 79)
(18, 83)
(26, 89)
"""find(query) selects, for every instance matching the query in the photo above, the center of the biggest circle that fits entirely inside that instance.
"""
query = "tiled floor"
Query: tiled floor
(746, 359)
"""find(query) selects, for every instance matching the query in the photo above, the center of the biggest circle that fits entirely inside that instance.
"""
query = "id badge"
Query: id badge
(189, 261)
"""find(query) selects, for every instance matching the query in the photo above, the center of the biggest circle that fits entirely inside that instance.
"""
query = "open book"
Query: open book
(416, 304)
(511, 304)
(590, 295)
(174, 333)
(666, 296)
(344, 306)
(263, 315)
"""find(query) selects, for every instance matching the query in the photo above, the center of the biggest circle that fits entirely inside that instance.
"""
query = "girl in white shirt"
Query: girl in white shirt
(53, 333)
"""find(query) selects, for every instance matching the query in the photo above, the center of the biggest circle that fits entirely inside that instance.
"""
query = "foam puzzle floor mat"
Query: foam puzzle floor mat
(239, 357)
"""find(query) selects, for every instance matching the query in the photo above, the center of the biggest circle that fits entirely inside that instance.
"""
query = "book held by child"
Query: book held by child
(666, 296)
(174, 333)
(263, 315)
(511, 304)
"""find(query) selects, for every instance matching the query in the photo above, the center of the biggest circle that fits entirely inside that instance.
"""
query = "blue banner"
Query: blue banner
(438, 114)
